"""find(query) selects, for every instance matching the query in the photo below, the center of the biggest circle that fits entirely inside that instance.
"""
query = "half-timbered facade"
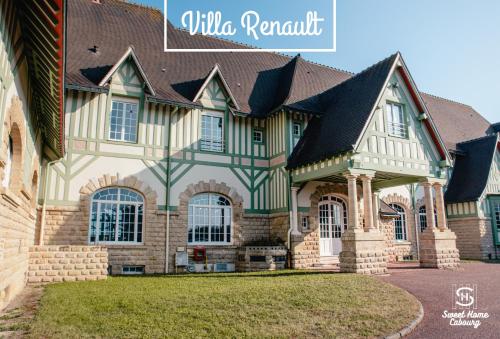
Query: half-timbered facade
(171, 153)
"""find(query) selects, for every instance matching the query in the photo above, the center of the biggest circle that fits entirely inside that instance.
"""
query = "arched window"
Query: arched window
(400, 233)
(116, 216)
(209, 219)
(8, 163)
(422, 218)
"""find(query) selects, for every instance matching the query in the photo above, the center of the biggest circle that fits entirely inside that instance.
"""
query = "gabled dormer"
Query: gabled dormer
(215, 92)
(127, 76)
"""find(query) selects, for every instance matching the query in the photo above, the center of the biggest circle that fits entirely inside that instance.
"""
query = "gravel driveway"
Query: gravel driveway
(434, 289)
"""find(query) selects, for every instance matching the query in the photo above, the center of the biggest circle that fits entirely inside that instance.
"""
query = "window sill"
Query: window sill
(398, 136)
(402, 242)
(209, 245)
(119, 245)
(10, 197)
(121, 142)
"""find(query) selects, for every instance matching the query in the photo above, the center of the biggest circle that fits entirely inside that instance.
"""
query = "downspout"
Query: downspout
(44, 206)
(167, 192)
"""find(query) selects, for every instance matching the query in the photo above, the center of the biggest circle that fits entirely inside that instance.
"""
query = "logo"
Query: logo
(270, 25)
(465, 296)
(465, 304)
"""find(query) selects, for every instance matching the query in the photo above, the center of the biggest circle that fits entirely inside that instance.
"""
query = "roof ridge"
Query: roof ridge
(476, 139)
(446, 99)
(137, 4)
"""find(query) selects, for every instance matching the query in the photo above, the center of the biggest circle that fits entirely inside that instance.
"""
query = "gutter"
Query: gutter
(167, 191)
(44, 206)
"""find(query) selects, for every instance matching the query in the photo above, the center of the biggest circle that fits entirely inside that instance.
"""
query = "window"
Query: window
(258, 136)
(209, 219)
(305, 223)
(8, 164)
(297, 128)
(399, 223)
(133, 270)
(422, 218)
(212, 132)
(123, 126)
(396, 124)
(116, 216)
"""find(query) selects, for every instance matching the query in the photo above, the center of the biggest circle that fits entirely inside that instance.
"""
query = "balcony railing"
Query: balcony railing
(398, 129)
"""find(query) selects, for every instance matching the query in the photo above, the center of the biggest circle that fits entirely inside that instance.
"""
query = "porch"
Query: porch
(349, 224)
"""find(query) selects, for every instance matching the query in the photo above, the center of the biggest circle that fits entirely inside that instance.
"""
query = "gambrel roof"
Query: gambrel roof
(471, 170)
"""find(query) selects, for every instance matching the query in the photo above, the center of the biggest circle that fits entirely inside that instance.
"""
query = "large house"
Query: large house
(229, 158)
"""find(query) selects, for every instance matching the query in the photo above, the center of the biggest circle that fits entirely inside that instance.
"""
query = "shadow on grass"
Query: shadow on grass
(267, 274)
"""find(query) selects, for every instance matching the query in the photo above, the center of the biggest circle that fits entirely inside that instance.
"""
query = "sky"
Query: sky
(451, 47)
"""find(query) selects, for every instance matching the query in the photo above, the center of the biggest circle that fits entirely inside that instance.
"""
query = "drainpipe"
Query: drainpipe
(167, 191)
(44, 206)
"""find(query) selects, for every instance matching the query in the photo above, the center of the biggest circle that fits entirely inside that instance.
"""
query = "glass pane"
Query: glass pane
(217, 225)
(128, 195)
(126, 223)
(324, 226)
(93, 222)
(200, 199)
(107, 194)
(139, 223)
(107, 221)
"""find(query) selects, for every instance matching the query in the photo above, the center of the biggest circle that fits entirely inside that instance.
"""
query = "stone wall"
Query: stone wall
(474, 237)
(396, 250)
(67, 263)
(246, 227)
(17, 202)
(69, 226)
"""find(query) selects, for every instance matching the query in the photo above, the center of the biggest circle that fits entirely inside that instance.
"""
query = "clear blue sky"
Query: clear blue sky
(452, 47)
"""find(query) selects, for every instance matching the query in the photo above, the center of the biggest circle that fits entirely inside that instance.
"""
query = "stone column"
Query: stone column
(353, 222)
(295, 214)
(440, 209)
(367, 201)
(429, 205)
(376, 208)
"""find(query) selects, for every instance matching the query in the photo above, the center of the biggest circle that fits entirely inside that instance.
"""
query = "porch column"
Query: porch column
(429, 205)
(295, 215)
(440, 210)
(367, 201)
(353, 201)
(376, 208)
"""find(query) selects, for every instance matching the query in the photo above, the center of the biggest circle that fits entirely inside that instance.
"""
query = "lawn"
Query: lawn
(283, 304)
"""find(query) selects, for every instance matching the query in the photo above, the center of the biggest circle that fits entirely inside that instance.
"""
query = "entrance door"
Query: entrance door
(331, 225)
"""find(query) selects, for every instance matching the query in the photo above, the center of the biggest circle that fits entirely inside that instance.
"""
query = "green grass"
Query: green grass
(283, 304)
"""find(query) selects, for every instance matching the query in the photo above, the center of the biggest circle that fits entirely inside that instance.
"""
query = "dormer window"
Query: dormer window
(396, 124)
(296, 129)
(212, 132)
(123, 124)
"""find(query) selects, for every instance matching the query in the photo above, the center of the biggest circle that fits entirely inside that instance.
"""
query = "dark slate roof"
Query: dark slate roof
(471, 170)
(346, 109)
(455, 122)
(253, 78)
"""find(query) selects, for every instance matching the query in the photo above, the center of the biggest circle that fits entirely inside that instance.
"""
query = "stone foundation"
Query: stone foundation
(305, 249)
(438, 249)
(474, 237)
(363, 252)
(49, 264)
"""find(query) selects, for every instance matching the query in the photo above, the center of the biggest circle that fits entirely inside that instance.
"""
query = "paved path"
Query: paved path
(434, 290)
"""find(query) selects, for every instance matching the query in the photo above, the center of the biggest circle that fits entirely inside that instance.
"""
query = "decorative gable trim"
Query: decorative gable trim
(401, 68)
(211, 75)
(129, 53)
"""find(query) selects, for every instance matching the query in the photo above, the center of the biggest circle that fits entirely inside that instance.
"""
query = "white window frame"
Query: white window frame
(124, 101)
(132, 270)
(422, 217)
(258, 132)
(305, 222)
(299, 129)
(394, 128)
(404, 225)
(117, 203)
(210, 208)
(211, 144)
